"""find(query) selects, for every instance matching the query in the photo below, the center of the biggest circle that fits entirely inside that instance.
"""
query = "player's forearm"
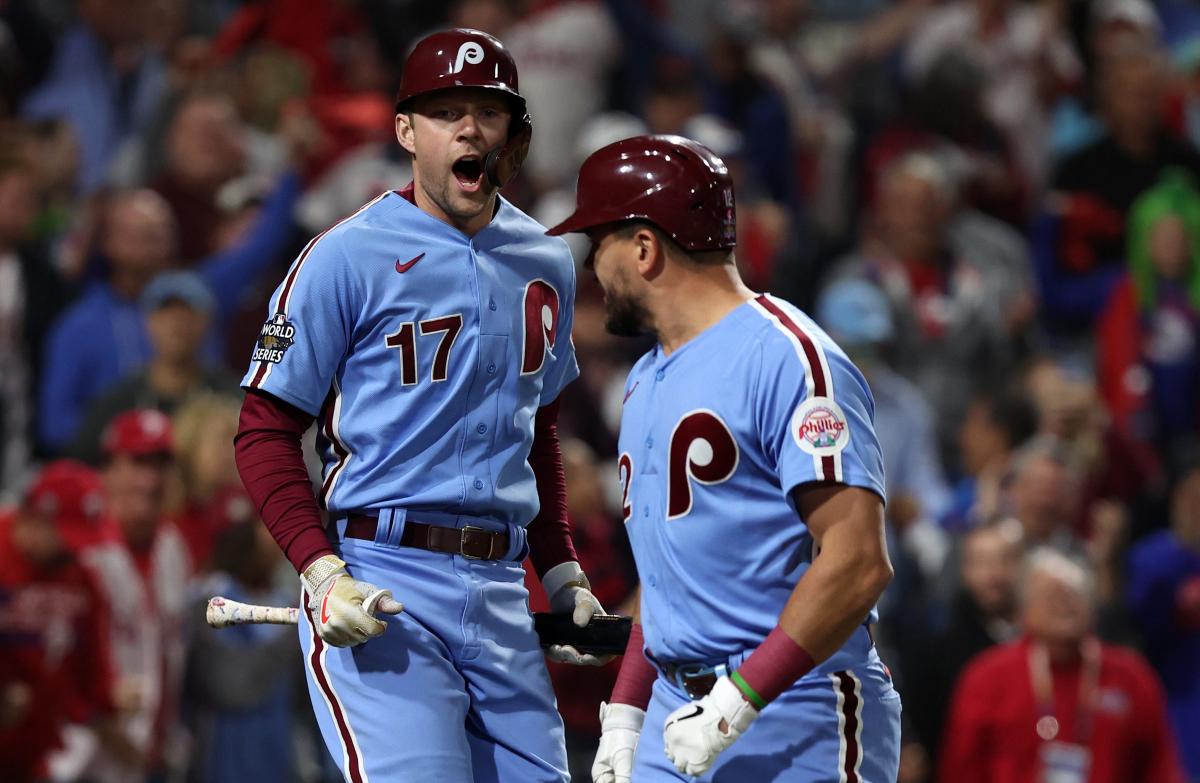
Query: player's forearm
(838, 591)
(832, 598)
(271, 464)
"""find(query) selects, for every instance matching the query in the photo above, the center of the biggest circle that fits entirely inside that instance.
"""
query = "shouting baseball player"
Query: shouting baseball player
(429, 336)
(753, 498)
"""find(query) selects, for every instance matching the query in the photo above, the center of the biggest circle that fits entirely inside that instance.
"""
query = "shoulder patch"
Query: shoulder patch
(819, 427)
(277, 335)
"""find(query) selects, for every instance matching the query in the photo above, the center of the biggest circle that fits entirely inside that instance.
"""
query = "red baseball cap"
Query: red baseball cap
(139, 433)
(69, 494)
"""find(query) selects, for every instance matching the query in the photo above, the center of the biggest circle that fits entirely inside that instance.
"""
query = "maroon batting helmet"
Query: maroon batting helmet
(471, 58)
(677, 184)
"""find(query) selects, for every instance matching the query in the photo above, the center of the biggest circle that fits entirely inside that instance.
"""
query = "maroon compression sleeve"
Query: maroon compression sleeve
(636, 678)
(550, 531)
(271, 464)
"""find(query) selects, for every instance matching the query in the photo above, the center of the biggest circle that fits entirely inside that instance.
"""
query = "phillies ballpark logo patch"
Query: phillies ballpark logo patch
(819, 427)
(277, 335)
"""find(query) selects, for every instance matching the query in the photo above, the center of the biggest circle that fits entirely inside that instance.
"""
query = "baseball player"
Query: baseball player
(753, 497)
(428, 334)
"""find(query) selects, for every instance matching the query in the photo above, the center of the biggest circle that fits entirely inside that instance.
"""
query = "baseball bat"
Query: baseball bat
(223, 612)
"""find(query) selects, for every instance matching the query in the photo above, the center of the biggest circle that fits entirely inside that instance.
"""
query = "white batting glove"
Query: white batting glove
(692, 735)
(620, 727)
(342, 608)
(570, 592)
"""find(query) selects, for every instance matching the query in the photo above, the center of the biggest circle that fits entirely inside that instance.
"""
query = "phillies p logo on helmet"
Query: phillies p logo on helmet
(470, 52)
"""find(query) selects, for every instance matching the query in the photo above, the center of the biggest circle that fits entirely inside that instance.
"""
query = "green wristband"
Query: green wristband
(751, 695)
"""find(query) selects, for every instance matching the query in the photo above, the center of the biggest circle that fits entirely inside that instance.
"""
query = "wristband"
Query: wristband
(772, 668)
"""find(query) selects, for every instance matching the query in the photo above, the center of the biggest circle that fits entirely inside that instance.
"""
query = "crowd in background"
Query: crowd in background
(992, 205)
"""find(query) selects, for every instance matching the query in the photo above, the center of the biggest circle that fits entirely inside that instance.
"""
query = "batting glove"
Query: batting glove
(620, 727)
(342, 608)
(570, 592)
(693, 735)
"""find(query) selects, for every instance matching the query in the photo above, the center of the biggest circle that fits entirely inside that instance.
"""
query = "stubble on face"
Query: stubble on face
(625, 313)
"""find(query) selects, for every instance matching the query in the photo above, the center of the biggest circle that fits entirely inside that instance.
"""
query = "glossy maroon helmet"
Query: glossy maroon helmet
(470, 58)
(677, 184)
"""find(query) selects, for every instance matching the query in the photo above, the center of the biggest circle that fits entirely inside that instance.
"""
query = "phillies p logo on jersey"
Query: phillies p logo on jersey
(541, 325)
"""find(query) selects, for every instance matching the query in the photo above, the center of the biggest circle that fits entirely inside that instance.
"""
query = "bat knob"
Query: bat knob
(213, 614)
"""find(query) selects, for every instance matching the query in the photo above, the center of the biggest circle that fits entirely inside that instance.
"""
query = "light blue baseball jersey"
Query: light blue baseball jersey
(714, 437)
(424, 354)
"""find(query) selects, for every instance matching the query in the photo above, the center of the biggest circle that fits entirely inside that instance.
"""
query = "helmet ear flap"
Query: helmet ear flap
(502, 163)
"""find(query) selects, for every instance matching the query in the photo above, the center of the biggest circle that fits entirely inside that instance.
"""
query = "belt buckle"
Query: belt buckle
(686, 673)
(462, 542)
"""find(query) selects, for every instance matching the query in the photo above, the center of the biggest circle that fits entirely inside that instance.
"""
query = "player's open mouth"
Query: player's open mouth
(468, 170)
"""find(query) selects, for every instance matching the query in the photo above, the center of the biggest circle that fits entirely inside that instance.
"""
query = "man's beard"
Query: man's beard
(626, 316)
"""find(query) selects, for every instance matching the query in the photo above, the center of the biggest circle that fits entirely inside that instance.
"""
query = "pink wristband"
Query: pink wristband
(772, 668)
(636, 678)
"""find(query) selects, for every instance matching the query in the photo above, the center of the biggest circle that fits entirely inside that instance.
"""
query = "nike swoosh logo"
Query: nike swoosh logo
(629, 393)
(325, 607)
(402, 268)
(699, 711)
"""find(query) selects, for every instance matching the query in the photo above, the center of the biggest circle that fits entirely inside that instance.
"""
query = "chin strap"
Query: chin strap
(501, 164)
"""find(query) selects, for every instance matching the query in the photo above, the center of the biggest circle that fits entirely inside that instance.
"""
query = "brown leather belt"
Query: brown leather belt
(473, 543)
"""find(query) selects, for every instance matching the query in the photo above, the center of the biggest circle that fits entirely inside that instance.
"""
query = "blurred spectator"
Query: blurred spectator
(1026, 59)
(595, 531)
(205, 147)
(242, 681)
(315, 30)
(1114, 466)
(1043, 493)
(1080, 244)
(754, 106)
(55, 662)
(210, 495)
(1164, 597)
(944, 114)
(856, 315)
(178, 309)
(1098, 710)
(982, 614)
(144, 574)
(30, 296)
(105, 81)
(55, 157)
(566, 50)
(1109, 23)
(959, 301)
(1148, 335)
(998, 421)
(137, 241)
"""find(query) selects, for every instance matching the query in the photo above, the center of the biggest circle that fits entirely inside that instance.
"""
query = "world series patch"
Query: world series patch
(819, 427)
(277, 335)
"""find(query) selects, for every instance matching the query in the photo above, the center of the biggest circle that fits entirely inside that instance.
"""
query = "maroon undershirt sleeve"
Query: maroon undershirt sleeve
(549, 532)
(271, 463)
(635, 680)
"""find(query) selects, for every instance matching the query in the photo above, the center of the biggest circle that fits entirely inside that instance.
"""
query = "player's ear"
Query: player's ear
(651, 252)
(404, 132)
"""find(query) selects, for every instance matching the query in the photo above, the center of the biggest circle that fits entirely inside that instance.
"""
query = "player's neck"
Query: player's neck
(699, 298)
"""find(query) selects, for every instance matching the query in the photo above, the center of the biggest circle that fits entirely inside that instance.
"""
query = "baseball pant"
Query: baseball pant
(456, 689)
(837, 727)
